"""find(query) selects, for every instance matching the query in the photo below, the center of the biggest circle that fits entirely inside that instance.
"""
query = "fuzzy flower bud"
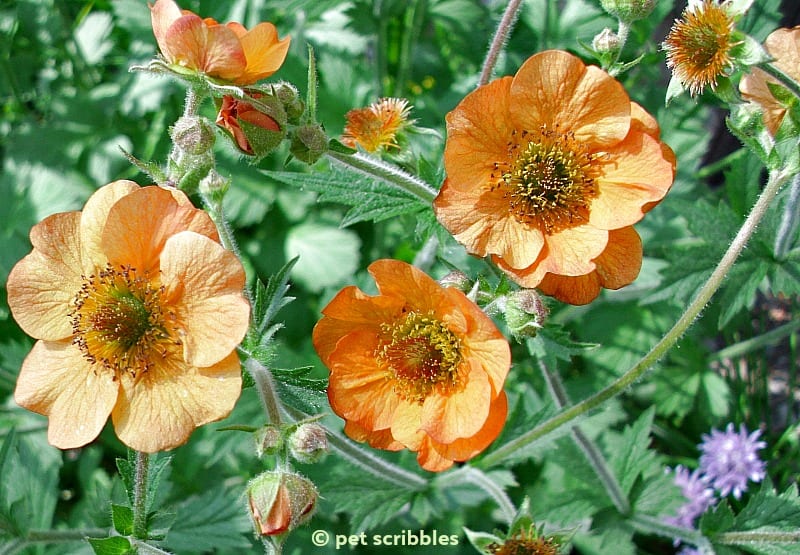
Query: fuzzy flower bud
(280, 501)
(309, 143)
(628, 11)
(194, 135)
(525, 313)
(257, 124)
(457, 279)
(289, 97)
(606, 42)
(269, 441)
(308, 443)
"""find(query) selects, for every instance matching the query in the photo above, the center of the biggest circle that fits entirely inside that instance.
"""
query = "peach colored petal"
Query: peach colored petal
(479, 220)
(642, 121)
(638, 174)
(163, 14)
(139, 224)
(460, 414)
(493, 357)
(406, 425)
(214, 50)
(466, 448)
(204, 284)
(56, 380)
(557, 89)
(42, 286)
(403, 281)
(380, 439)
(478, 131)
(430, 458)
(161, 408)
(570, 251)
(576, 290)
(93, 220)
(358, 390)
(265, 53)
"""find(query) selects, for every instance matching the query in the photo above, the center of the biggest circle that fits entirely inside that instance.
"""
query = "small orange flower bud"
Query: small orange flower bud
(256, 127)
(280, 501)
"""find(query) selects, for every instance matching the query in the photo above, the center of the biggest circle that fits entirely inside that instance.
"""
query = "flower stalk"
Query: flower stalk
(499, 40)
(140, 480)
(566, 417)
(265, 385)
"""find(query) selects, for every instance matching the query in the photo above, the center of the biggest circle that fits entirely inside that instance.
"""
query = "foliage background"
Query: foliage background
(69, 103)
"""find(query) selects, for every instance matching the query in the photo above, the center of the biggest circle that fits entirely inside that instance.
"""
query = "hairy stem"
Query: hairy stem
(499, 40)
(265, 385)
(140, 479)
(567, 416)
(473, 476)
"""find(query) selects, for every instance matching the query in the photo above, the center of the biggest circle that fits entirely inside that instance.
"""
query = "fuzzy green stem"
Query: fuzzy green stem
(783, 78)
(265, 385)
(499, 40)
(473, 476)
(623, 30)
(590, 450)
(140, 479)
(790, 220)
(566, 417)
(388, 173)
(756, 538)
(653, 526)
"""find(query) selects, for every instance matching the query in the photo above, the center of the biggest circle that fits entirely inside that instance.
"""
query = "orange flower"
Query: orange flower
(138, 310)
(418, 366)
(233, 112)
(378, 125)
(228, 52)
(699, 46)
(547, 172)
(784, 46)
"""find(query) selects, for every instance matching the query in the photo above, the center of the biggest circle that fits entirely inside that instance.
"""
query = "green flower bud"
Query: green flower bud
(606, 42)
(458, 280)
(193, 134)
(308, 443)
(269, 440)
(309, 143)
(628, 11)
(289, 97)
(280, 501)
(256, 124)
(525, 313)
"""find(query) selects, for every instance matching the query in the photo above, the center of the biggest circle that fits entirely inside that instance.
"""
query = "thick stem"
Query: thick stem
(499, 40)
(473, 476)
(590, 450)
(265, 385)
(655, 527)
(756, 538)
(388, 173)
(140, 479)
(566, 417)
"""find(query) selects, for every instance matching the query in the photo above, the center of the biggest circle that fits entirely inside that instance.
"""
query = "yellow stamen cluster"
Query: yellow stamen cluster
(420, 354)
(118, 321)
(699, 46)
(549, 181)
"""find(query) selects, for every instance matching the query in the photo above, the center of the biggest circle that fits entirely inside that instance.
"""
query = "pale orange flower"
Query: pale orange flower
(784, 46)
(378, 125)
(138, 310)
(228, 52)
(546, 173)
(418, 366)
(699, 45)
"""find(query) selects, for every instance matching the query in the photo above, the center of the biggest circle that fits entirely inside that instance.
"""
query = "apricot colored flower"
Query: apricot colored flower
(228, 52)
(784, 46)
(418, 366)
(377, 126)
(138, 310)
(699, 45)
(234, 113)
(548, 170)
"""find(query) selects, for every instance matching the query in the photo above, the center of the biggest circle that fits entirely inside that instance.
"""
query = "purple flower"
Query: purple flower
(729, 459)
(698, 496)
(689, 551)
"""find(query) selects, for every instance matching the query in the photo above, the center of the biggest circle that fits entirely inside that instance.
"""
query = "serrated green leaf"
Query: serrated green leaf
(767, 510)
(368, 501)
(267, 301)
(719, 519)
(740, 290)
(553, 343)
(115, 545)
(215, 518)
(122, 518)
(629, 456)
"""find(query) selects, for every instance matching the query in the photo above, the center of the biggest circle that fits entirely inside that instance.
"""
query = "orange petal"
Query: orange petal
(403, 281)
(461, 414)
(139, 224)
(638, 175)
(94, 216)
(264, 52)
(161, 408)
(478, 132)
(56, 380)
(204, 284)
(576, 290)
(557, 89)
(214, 50)
(479, 220)
(358, 389)
(570, 251)
(406, 425)
(466, 448)
(380, 439)
(42, 286)
(430, 458)
(162, 15)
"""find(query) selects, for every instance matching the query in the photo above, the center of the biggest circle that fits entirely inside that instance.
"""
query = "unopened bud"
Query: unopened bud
(309, 143)
(288, 95)
(280, 501)
(458, 280)
(606, 42)
(213, 185)
(193, 134)
(256, 124)
(269, 440)
(628, 11)
(308, 443)
(525, 313)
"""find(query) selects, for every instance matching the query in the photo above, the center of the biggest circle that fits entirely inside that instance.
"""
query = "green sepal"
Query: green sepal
(115, 545)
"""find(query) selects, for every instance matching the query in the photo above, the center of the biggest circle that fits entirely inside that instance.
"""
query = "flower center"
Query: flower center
(549, 182)
(421, 355)
(118, 321)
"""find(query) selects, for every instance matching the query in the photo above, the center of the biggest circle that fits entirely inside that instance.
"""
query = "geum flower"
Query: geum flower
(784, 46)
(228, 52)
(418, 366)
(547, 172)
(378, 126)
(138, 310)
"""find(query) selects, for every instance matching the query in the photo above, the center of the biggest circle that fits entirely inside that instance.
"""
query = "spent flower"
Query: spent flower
(378, 126)
(418, 366)
(729, 459)
(547, 172)
(138, 310)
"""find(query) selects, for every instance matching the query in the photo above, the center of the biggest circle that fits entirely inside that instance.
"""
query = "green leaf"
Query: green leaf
(215, 518)
(629, 455)
(115, 545)
(740, 290)
(320, 246)
(122, 517)
(267, 301)
(553, 343)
